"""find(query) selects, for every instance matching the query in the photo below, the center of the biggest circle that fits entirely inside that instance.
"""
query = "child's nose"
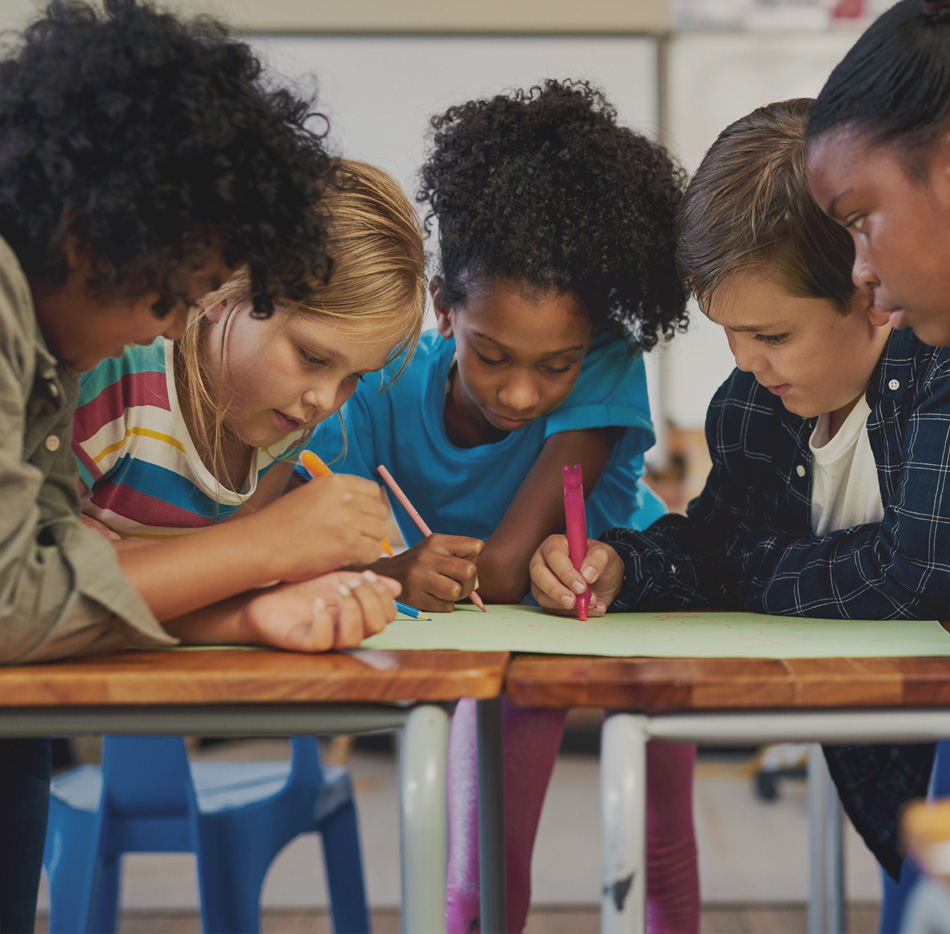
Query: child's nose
(748, 356)
(321, 396)
(862, 272)
(519, 394)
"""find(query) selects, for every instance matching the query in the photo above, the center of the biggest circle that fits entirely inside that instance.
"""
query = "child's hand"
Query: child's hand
(100, 527)
(555, 582)
(333, 611)
(436, 573)
(326, 524)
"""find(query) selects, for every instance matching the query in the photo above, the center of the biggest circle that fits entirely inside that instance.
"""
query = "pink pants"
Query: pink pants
(531, 742)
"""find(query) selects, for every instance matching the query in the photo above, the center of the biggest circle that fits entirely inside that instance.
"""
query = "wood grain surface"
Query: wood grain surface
(659, 684)
(242, 676)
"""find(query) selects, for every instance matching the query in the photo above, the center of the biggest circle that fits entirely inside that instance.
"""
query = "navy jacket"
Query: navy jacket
(746, 543)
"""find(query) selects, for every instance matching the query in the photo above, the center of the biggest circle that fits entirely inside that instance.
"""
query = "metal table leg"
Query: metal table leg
(423, 818)
(623, 823)
(826, 872)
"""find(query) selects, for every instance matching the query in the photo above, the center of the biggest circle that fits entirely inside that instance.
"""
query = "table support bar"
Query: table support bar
(868, 725)
(208, 720)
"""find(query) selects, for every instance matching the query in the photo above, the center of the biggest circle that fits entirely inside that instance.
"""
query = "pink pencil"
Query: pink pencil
(419, 521)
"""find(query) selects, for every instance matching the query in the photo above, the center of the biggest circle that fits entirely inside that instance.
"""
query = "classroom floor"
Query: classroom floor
(753, 853)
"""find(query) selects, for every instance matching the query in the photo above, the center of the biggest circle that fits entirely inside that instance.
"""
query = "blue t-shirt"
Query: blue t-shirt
(466, 491)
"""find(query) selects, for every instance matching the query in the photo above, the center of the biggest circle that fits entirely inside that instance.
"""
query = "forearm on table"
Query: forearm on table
(219, 624)
(661, 574)
(185, 574)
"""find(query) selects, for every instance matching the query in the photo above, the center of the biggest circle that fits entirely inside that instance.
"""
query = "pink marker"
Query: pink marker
(575, 522)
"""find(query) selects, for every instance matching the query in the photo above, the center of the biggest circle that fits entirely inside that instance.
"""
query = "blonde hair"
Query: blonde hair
(749, 207)
(378, 275)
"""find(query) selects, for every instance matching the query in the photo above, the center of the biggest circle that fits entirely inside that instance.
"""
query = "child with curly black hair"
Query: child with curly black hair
(556, 240)
(141, 159)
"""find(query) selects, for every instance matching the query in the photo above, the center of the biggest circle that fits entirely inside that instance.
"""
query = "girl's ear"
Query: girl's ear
(443, 314)
(215, 312)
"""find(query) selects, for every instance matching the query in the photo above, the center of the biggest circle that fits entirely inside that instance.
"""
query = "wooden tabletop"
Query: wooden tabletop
(656, 685)
(259, 676)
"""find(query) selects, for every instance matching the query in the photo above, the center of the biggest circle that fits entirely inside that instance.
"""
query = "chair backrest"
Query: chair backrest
(146, 775)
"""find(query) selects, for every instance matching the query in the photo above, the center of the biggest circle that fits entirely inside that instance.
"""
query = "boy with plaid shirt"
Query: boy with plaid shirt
(829, 442)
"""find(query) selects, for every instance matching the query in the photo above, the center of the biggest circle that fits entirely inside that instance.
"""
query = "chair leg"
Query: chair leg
(895, 896)
(66, 859)
(229, 887)
(228, 909)
(344, 869)
(103, 912)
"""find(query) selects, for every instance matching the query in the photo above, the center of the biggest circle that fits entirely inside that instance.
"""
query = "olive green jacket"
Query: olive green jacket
(61, 590)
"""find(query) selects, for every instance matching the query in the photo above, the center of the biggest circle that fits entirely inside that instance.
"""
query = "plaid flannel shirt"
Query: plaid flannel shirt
(747, 543)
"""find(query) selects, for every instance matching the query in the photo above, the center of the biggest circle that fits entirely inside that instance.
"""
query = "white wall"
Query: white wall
(379, 91)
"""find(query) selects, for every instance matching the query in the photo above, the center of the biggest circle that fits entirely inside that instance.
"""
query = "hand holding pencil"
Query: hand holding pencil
(337, 521)
(317, 468)
(438, 571)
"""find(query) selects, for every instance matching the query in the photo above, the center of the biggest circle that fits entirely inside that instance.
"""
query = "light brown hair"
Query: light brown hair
(749, 208)
(378, 275)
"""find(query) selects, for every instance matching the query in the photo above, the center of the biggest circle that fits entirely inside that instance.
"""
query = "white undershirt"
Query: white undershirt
(845, 489)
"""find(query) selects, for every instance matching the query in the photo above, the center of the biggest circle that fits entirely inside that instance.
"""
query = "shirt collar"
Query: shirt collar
(895, 372)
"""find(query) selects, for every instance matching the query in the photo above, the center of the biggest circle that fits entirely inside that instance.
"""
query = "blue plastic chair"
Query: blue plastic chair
(896, 894)
(235, 818)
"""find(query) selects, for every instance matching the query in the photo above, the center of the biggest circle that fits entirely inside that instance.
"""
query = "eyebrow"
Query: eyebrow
(755, 327)
(334, 356)
(553, 353)
(832, 209)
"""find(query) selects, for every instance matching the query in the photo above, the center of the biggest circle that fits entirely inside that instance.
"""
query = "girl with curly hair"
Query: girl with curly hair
(556, 242)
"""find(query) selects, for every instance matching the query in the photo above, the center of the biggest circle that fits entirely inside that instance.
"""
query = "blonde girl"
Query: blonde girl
(175, 437)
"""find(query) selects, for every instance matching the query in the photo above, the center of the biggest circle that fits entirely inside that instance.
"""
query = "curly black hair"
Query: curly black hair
(154, 142)
(542, 188)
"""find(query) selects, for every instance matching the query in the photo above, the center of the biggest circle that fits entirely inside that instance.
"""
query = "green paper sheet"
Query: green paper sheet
(678, 634)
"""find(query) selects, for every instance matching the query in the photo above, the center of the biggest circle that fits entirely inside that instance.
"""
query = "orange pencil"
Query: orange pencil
(316, 468)
(419, 521)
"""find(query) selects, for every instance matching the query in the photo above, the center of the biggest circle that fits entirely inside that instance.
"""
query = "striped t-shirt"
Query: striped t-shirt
(143, 475)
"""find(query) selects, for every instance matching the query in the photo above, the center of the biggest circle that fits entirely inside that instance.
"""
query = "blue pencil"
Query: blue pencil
(407, 610)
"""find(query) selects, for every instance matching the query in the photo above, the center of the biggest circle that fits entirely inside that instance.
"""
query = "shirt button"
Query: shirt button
(894, 384)
(51, 443)
(800, 470)
(53, 390)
